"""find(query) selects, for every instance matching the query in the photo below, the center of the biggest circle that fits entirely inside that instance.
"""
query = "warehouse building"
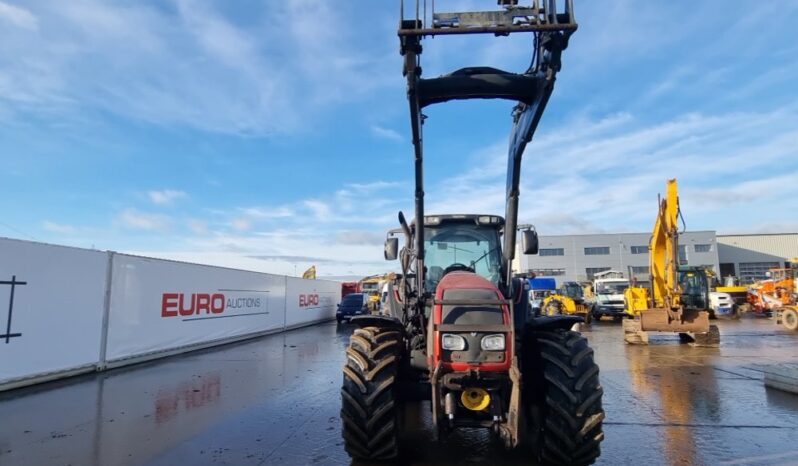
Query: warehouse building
(578, 257)
(749, 257)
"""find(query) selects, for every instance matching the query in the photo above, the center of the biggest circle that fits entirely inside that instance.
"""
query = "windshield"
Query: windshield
(353, 299)
(612, 288)
(460, 243)
(694, 289)
(367, 287)
(573, 290)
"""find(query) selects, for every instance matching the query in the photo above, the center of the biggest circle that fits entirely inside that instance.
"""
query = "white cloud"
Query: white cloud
(59, 228)
(386, 133)
(267, 212)
(164, 67)
(198, 227)
(359, 237)
(321, 210)
(136, 220)
(18, 16)
(241, 224)
(604, 175)
(586, 175)
(373, 186)
(166, 196)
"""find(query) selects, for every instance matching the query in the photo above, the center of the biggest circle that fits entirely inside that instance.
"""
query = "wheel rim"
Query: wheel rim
(790, 318)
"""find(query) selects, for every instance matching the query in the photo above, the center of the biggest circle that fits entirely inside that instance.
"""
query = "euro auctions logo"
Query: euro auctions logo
(181, 304)
(308, 300)
(201, 306)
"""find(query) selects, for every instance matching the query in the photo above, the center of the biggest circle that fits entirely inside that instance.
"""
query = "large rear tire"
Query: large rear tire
(569, 403)
(368, 396)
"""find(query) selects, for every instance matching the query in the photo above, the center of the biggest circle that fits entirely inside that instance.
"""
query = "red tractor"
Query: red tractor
(460, 332)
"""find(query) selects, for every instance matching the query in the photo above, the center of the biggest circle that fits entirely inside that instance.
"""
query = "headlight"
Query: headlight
(493, 342)
(452, 342)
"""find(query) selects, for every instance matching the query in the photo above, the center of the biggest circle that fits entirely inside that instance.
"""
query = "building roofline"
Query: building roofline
(756, 234)
(542, 235)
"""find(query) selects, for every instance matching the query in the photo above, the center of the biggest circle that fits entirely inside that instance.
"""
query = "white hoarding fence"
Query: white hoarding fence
(67, 310)
(309, 301)
(51, 309)
(159, 305)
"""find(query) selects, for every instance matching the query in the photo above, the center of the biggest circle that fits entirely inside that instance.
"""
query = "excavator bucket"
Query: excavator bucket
(694, 327)
(660, 320)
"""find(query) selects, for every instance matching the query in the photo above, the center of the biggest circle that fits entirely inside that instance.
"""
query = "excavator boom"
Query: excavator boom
(664, 251)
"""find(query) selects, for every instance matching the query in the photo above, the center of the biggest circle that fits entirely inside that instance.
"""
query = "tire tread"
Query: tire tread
(572, 415)
(368, 404)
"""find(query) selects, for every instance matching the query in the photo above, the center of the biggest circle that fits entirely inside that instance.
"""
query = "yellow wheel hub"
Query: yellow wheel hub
(475, 399)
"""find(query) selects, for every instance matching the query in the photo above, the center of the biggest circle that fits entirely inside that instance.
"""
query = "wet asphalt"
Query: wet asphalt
(275, 400)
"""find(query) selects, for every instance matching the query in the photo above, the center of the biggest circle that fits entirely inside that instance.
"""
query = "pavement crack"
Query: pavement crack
(734, 373)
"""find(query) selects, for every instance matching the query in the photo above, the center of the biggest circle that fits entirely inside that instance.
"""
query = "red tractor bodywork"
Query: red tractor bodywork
(455, 320)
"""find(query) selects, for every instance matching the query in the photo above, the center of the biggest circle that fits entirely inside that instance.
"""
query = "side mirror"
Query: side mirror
(391, 248)
(529, 241)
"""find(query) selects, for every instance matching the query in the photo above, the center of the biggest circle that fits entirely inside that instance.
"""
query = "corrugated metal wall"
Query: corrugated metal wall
(749, 252)
(757, 248)
(575, 264)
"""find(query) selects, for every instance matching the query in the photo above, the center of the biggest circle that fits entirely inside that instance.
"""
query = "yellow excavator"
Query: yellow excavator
(678, 300)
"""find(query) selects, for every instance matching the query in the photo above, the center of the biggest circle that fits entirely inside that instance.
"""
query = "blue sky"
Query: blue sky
(274, 135)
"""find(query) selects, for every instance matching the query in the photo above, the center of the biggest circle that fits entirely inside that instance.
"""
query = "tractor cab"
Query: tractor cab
(470, 243)
(574, 291)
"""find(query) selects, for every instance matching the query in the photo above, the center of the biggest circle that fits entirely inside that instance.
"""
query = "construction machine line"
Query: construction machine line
(458, 332)
(678, 300)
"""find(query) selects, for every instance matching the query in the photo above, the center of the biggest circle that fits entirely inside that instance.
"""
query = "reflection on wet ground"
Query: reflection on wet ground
(275, 401)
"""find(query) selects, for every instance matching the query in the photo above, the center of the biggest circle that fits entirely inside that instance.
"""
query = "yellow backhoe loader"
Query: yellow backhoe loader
(678, 300)
(568, 300)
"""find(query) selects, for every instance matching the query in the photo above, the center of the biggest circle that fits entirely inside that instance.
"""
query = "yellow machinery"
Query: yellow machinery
(779, 295)
(372, 287)
(678, 300)
(569, 299)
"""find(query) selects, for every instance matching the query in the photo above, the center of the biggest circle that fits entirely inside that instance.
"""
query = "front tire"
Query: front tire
(571, 416)
(789, 318)
(368, 396)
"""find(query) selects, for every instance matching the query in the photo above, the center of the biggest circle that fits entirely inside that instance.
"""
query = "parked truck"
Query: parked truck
(608, 289)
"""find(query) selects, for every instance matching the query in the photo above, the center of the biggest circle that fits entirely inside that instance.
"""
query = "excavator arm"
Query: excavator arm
(664, 251)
